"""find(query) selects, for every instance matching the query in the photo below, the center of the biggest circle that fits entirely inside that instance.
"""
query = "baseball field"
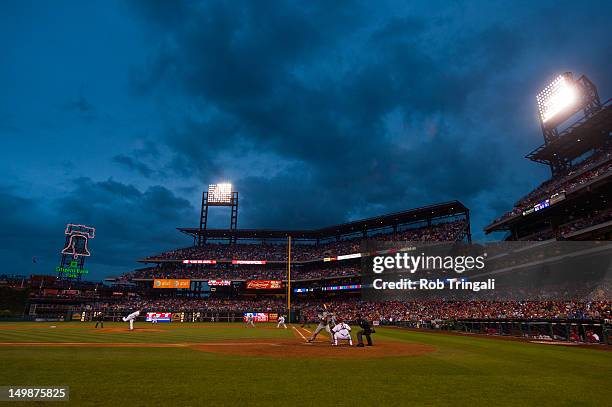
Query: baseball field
(229, 364)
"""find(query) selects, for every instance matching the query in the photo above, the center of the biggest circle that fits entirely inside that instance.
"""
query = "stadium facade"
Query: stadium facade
(325, 262)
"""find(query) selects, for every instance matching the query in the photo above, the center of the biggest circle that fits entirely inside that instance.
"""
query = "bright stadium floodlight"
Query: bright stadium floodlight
(558, 97)
(220, 193)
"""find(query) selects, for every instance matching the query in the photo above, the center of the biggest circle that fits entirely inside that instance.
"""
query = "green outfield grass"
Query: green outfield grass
(462, 371)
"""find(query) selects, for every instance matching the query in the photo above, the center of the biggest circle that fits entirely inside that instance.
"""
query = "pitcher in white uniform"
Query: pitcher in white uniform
(130, 318)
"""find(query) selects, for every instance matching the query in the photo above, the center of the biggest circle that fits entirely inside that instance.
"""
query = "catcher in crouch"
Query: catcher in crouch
(342, 332)
(324, 321)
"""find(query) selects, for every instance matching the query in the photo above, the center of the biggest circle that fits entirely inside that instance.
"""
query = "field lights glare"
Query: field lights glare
(556, 98)
(220, 193)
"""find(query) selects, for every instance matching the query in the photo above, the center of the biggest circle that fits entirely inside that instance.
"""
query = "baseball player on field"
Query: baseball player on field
(281, 321)
(324, 320)
(332, 319)
(100, 319)
(250, 320)
(130, 318)
(342, 332)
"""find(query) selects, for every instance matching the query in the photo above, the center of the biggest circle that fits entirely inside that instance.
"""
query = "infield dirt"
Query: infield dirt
(278, 348)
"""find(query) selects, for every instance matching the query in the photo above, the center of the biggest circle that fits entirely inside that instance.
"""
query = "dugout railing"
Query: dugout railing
(566, 330)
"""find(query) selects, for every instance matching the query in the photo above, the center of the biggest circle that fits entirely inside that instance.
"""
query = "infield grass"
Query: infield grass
(463, 370)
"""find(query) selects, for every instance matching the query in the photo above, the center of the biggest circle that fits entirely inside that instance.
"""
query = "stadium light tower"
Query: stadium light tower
(560, 96)
(218, 195)
(560, 100)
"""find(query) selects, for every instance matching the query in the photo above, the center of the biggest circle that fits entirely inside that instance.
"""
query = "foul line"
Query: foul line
(235, 344)
(97, 344)
(133, 344)
(298, 331)
(310, 333)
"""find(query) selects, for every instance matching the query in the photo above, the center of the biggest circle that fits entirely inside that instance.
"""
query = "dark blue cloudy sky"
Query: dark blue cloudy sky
(118, 114)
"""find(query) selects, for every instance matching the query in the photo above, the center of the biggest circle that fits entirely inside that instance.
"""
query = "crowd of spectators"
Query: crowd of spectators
(197, 304)
(577, 223)
(267, 272)
(329, 272)
(388, 311)
(448, 231)
(209, 273)
(455, 310)
(584, 173)
(586, 221)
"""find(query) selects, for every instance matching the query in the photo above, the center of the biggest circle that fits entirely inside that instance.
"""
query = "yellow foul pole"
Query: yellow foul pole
(289, 278)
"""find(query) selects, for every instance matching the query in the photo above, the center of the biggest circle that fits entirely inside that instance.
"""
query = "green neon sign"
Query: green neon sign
(72, 270)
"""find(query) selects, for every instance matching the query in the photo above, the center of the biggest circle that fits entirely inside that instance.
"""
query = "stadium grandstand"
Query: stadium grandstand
(575, 203)
(330, 253)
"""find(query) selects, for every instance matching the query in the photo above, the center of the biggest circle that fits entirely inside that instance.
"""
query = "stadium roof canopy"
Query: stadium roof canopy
(425, 213)
(582, 136)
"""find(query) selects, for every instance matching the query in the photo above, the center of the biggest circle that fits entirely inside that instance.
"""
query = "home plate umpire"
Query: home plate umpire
(366, 330)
